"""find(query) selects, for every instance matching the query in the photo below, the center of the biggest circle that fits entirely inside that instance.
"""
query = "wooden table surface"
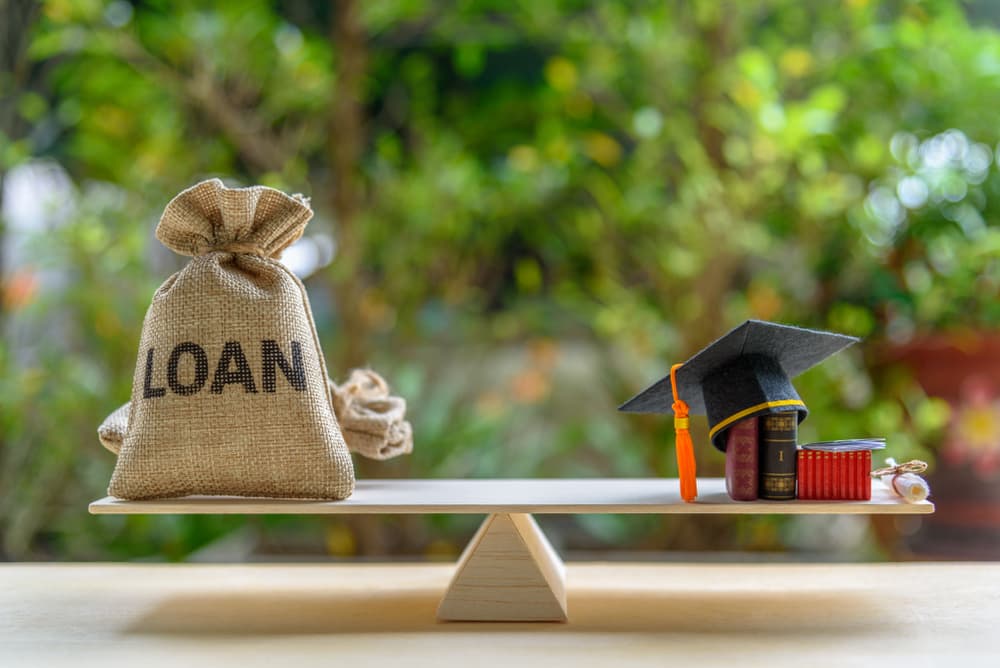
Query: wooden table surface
(383, 615)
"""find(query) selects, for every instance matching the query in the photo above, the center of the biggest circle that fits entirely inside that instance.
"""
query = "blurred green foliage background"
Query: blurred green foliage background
(531, 208)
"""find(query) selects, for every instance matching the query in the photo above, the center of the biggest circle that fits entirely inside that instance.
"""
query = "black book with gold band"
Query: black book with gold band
(778, 436)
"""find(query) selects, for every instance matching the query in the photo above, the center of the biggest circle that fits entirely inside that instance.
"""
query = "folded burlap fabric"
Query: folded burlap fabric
(112, 430)
(230, 389)
(372, 421)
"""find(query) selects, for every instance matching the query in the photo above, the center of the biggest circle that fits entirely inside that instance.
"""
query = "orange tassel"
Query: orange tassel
(685, 447)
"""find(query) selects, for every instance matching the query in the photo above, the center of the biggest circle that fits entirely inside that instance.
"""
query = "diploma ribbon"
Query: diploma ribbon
(912, 466)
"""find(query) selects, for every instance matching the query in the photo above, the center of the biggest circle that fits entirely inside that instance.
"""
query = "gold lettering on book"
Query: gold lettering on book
(781, 422)
(779, 485)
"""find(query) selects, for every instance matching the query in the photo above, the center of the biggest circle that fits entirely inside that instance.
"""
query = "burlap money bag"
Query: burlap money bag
(230, 392)
(372, 420)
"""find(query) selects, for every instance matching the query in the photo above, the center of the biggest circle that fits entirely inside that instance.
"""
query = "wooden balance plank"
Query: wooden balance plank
(549, 496)
(510, 572)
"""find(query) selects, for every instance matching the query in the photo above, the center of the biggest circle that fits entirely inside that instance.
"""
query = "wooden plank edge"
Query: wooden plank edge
(251, 506)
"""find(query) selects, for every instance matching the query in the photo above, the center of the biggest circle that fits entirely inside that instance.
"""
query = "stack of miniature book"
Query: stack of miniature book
(837, 470)
(764, 462)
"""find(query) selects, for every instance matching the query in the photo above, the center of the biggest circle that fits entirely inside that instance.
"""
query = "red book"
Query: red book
(866, 467)
(859, 483)
(846, 475)
(742, 460)
(813, 475)
(850, 476)
(831, 467)
(842, 475)
(805, 474)
(837, 463)
(864, 488)
(809, 458)
(803, 484)
(826, 491)
(810, 483)
(864, 481)
(860, 475)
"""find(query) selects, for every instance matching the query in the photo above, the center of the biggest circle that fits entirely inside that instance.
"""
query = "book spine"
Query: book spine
(778, 437)
(742, 469)
(866, 467)
(827, 489)
(860, 476)
(864, 481)
(840, 491)
(851, 475)
(841, 475)
(807, 476)
(811, 463)
(802, 489)
(847, 476)
(834, 475)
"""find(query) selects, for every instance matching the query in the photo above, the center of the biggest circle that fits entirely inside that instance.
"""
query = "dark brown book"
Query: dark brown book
(742, 471)
(778, 436)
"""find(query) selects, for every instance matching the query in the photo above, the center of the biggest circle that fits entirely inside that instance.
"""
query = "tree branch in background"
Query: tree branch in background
(715, 283)
(15, 33)
(345, 145)
(344, 149)
(255, 144)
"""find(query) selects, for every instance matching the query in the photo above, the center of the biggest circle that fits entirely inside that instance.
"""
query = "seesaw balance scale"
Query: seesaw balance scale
(509, 571)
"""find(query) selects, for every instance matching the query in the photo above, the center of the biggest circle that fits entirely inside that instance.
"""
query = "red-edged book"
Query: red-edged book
(742, 460)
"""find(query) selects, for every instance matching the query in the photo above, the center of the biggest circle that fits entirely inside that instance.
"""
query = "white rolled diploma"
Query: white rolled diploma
(910, 486)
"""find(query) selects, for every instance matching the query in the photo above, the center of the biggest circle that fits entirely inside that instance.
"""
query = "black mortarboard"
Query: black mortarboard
(747, 372)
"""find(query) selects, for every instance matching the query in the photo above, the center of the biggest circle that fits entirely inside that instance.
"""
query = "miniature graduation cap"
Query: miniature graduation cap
(745, 373)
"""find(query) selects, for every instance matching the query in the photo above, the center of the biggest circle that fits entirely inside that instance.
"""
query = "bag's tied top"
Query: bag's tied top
(209, 217)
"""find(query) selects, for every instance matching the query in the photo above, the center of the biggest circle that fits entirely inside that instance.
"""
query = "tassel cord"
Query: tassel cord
(684, 446)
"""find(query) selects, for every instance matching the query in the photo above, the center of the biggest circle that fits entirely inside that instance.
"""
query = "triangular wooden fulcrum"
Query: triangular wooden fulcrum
(508, 573)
